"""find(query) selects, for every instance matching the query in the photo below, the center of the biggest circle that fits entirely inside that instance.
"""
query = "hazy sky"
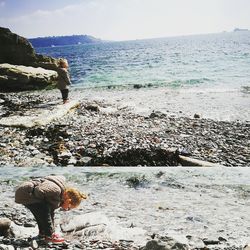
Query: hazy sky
(123, 19)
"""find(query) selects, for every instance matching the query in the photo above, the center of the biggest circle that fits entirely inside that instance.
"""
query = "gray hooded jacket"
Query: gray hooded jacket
(49, 189)
(63, 81)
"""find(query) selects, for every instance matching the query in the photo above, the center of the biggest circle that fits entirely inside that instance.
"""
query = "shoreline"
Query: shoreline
(108, 130)
(217, 104)
(198, 208)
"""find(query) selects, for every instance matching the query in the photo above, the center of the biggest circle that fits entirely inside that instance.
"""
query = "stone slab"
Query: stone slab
(40, 115)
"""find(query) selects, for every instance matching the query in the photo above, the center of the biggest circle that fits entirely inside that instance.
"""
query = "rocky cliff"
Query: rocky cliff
(16, 50)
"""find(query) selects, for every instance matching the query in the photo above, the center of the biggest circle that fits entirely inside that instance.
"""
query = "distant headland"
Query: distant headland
(238, 29)
(52, 41)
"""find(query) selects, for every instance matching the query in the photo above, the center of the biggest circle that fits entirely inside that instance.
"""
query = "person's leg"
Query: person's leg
(52, 214)
(65, 94)
(42, 214)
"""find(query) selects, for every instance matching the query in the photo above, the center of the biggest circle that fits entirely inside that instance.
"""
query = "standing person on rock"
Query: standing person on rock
(63, 82)
(42, 196)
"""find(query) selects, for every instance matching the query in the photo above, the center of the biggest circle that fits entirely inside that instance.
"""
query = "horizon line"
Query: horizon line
(148, 38)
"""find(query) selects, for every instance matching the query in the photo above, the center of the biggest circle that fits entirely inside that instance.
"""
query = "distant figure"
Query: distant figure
(63, 80)
(42, 196)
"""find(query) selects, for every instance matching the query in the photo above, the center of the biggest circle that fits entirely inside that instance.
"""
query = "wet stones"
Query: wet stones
(92, 107)
(136, 181)
(165, 243)
(139, 156)
(157, 114)
(197, 116)
(88, 137)
(13, 104)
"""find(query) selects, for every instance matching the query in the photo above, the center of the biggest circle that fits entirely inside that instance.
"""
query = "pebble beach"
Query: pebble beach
(102, 132)
(157, 203)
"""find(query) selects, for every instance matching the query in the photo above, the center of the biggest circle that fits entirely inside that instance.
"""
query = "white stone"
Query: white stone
(96, 225)
(21, 232)
(6, 247)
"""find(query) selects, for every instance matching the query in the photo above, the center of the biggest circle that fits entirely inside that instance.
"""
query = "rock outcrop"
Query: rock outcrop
(20, 78)
(17, 50)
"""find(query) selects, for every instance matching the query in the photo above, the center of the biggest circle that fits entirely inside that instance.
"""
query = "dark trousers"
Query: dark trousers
(65, 94)
(44, 216)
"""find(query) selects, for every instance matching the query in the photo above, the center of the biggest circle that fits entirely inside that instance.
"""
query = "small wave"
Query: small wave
(115, 86)
(153, 84)
(211, 90)
(188, 82)
(197, 81)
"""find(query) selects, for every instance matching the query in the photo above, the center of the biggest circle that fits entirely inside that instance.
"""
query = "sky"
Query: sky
(123, 19)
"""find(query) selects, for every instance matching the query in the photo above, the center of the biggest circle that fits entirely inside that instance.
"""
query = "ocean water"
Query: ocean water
(213, 61)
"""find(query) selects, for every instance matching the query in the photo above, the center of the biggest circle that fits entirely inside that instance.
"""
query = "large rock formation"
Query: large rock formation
(20, 78)
(17, 50)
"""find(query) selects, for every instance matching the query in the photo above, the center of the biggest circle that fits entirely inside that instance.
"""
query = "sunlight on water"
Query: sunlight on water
(193, 61)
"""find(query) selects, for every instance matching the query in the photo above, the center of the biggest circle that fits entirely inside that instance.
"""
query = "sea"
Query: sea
(215, 67)
(189, 61)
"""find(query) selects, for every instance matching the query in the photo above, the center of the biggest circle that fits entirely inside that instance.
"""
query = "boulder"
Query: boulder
(17, 50)
(4, 226)
(155, 245)
(22, 232)
(93, 107)
(20, 78)
(166, 243)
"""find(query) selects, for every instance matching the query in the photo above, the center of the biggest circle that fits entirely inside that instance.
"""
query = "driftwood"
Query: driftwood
(187, 161)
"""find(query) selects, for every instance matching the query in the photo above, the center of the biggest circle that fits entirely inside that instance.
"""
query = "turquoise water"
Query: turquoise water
(214, 60)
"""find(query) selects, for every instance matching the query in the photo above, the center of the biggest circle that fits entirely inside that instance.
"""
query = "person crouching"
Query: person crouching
(42, 196)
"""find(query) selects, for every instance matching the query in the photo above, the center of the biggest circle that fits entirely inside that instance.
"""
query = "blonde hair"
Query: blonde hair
(63, 63)
(75, 196)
